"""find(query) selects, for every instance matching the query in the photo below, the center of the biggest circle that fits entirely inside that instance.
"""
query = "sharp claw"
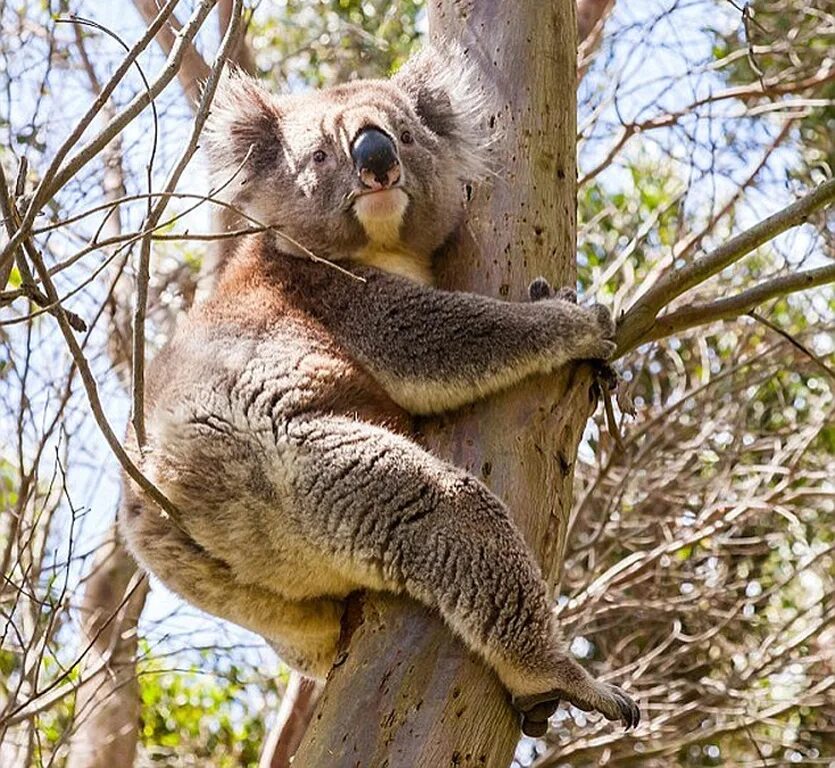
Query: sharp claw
(534, 728)
(539, 289)
(542, 711)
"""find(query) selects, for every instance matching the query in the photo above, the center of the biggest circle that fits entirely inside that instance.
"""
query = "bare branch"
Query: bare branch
(743, 302)
(55, 178)
(241, 52)
(155, 214)
(772, 88)
(641, 317)
(50, 182)
(91, 388)
(589, 15)
(297, 705)
(193, 69)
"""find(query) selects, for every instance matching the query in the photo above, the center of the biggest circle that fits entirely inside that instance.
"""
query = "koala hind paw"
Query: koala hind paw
(607, 699)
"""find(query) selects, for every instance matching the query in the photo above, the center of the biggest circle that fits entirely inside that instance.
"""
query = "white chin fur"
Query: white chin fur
(381, 213)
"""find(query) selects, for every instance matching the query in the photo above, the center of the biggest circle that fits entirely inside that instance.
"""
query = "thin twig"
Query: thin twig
(155, 214)
(640, 318)
(795, 343)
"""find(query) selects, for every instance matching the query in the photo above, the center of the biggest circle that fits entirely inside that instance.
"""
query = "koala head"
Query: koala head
(370, 164)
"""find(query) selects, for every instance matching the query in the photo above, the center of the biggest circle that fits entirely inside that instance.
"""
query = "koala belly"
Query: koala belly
(240, 548)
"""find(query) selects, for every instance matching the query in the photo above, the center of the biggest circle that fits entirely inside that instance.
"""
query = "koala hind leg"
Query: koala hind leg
(304, 633)
(395, 517)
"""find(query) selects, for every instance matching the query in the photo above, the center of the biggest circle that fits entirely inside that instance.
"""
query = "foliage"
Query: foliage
(214, 718)
(331, 41)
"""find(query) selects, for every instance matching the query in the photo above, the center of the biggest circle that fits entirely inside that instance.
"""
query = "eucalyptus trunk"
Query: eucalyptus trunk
(107, 702)
(408, 694)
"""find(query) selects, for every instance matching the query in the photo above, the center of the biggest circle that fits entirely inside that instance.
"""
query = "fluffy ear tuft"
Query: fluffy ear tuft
(243, 125)
(443, 87)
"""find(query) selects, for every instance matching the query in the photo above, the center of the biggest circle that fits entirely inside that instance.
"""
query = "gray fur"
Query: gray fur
(279, 414)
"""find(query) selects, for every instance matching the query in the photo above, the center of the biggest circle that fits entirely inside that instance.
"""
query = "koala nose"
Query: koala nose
(375, 159)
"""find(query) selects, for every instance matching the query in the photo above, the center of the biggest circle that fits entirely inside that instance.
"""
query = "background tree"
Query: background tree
(698, 550)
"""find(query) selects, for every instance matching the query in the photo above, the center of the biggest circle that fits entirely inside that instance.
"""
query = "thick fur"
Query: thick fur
(279, 415)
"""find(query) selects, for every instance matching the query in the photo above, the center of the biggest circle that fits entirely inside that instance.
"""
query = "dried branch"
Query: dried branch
(641, 317)
(193, 69)
(155, 214)
(54, 177)
(740, 304)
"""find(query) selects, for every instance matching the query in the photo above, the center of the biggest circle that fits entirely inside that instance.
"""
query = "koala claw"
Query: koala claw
(608, 699)
(535, 711)
(541, 289)
(615, 704)
(606, 375)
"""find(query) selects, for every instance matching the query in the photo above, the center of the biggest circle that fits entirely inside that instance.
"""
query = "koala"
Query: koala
(279, 415)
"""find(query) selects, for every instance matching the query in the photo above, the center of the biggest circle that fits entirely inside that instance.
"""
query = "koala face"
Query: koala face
(371, 163)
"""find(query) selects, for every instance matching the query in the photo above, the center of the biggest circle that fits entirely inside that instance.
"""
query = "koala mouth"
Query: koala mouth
(380, 212)
(380, 203)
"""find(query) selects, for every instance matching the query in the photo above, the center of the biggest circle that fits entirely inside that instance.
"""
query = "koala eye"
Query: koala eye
(406, 138)
(319, 156)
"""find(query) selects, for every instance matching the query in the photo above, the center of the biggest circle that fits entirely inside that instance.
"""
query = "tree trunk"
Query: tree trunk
(107, 702)
(408, 695)
(297, 706)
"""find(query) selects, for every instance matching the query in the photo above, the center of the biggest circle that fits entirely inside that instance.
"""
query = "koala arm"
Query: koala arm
(435, 350)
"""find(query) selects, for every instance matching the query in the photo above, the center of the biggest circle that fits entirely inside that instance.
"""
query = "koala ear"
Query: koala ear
(442, 86)
(242, 127)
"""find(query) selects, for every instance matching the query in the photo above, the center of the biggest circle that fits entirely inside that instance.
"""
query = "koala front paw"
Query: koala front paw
(602, 338)
(535, 712)
(541, 289)
(613, 703)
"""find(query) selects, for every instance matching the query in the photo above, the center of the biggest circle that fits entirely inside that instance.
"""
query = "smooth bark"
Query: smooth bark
(107, 702)
(407, 693)
(297, 705)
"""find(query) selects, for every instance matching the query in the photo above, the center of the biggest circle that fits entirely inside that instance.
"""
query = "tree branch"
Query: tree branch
(639, 320)
(734, 306)
(297, 705)
(589, 15)
(54, 178)
(241, 52)
(193, 69)
(155, 214)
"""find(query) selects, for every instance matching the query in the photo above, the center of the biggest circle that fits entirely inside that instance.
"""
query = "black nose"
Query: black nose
(375, 159)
